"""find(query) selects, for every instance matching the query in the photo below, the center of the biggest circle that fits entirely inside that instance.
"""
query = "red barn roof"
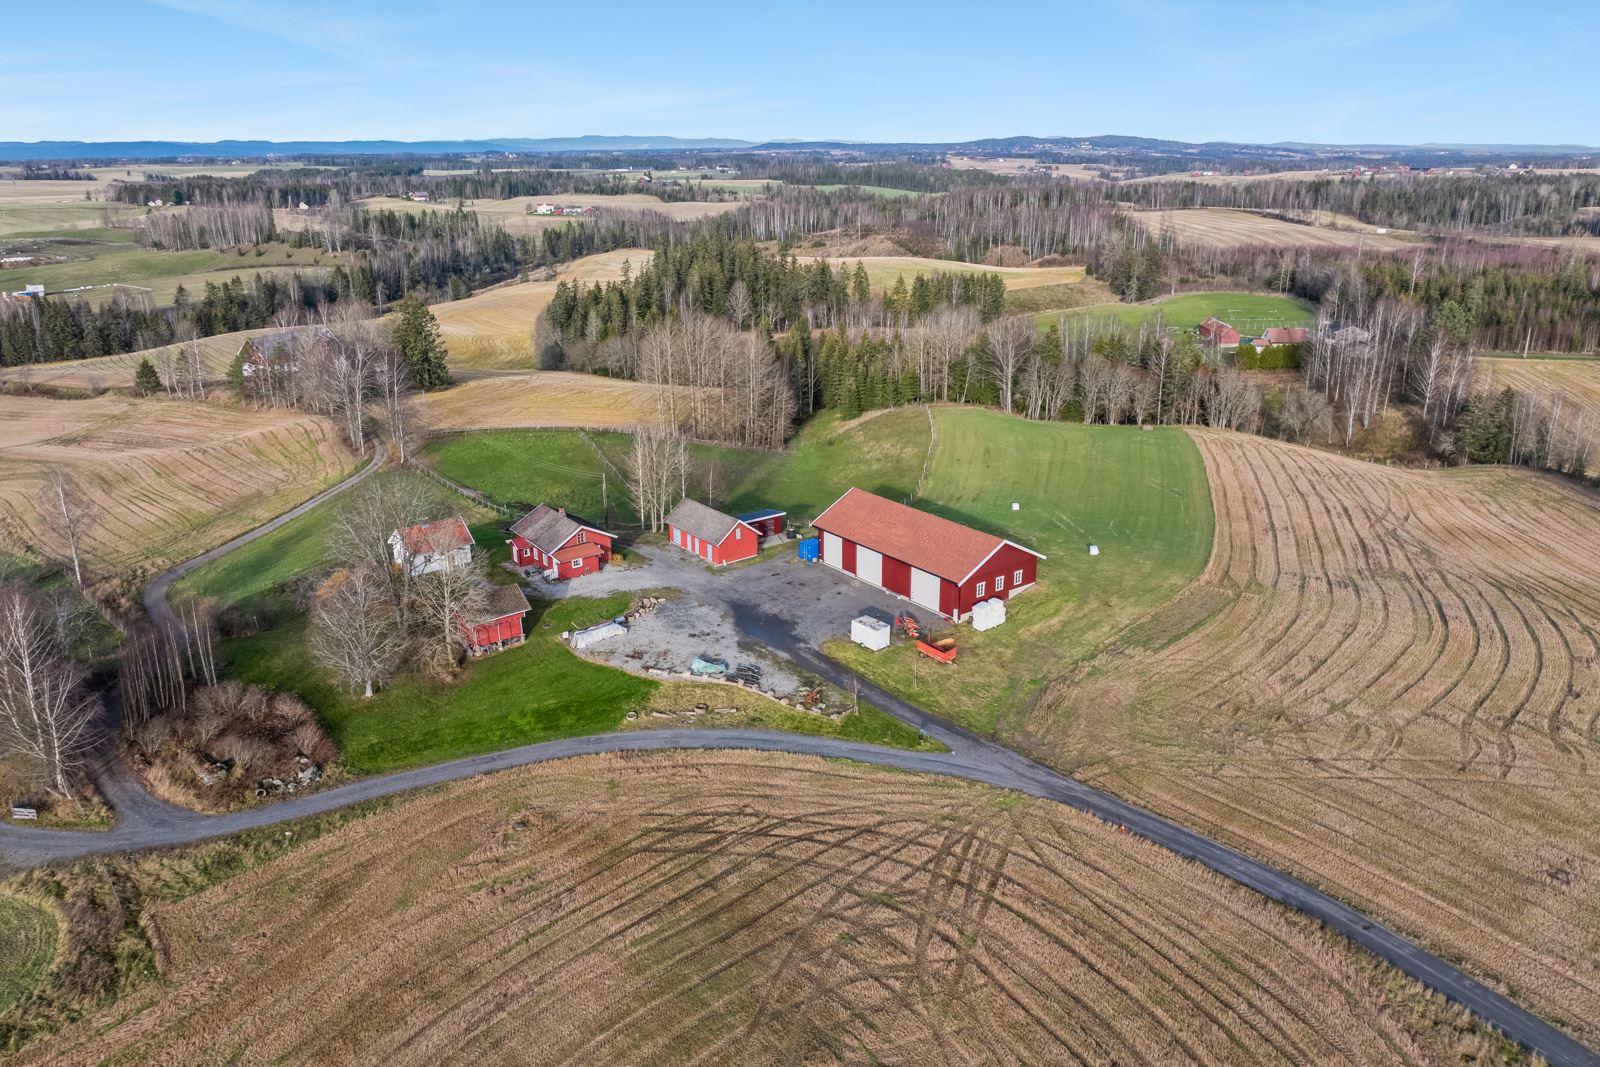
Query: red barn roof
(1286, 335)
(925, 541)
(1214, 329)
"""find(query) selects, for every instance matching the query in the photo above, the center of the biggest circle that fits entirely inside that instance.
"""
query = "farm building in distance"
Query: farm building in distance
(1286, 335)
(433, 546)
(1214, 331)
(498, 623)
(277, 351)
(558, 545)
(932, 562)
(706, 532)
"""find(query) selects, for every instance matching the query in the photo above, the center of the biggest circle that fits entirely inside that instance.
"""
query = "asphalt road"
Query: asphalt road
(146, 822)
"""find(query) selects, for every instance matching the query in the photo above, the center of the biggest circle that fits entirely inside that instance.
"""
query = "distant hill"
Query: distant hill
(1099, 146)
(24, 151)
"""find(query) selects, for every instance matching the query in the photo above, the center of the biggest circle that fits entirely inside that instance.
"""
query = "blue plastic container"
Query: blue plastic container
(810, 549)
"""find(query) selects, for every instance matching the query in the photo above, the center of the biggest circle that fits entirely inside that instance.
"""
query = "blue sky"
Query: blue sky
(1403, 71)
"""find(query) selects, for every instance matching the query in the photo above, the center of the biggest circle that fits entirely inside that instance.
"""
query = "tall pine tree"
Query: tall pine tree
(146, 381)
(416, 334)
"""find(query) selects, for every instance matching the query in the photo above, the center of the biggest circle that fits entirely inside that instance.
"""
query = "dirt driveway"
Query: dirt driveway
(815, 602)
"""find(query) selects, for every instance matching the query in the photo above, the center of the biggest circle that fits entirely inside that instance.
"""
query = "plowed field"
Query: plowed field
(163, 479)
(750, 909)
(1387, 681)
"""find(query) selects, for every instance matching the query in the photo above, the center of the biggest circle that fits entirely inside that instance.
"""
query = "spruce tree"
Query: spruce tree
(145, 380)
(416, 334)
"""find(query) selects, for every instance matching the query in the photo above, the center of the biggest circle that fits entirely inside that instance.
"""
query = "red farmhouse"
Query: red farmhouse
(1286, 335)
(716, 538)
(938, 564)
(498, 624)
(558, 545)
(1214, 331)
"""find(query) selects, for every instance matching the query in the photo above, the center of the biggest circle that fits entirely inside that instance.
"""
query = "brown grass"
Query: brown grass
(1392, 688)
(117, 372)
(1215, 227)
(542, 398)
(745, 908)
(165, 479)
(494, 328)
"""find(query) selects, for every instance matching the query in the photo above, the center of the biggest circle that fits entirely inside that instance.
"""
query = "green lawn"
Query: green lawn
(882, 452)
(536, 692)
(1141, 495)
(1250, 313)
(27, 947)
(874, 190)
(254, 577)
(162, 272)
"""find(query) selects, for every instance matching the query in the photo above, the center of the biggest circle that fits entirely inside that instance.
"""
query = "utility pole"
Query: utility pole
(605, 504)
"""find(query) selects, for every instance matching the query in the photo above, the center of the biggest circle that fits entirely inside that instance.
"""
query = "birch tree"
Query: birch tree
(45, 708)
(445, 598)
(355, 632)
(1011, 340)
(69, 514)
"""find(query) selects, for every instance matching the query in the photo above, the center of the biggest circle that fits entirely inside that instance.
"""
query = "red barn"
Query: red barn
(498, 624)
(938, 564)
(1216, 332)
(559, 545)
(716, 538)
(768, 522)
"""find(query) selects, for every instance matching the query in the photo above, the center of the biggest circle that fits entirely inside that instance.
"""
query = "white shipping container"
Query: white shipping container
(870, 633)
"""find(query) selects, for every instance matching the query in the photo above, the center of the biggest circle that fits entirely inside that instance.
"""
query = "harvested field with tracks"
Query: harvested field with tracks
(116, 372)
(494, 328)
(164, 479)
(542, 398)
(1216, 227)
(746, 908)
(882, 271)
(1386, 681)
(1576, 382)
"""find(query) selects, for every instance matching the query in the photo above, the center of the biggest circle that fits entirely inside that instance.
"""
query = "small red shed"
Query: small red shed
(498, 624)
(706, 532)
(559, 545)
(768, 522)
(938, 564)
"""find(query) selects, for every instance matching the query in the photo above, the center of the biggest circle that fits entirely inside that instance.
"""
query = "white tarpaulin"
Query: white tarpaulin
(595, 634)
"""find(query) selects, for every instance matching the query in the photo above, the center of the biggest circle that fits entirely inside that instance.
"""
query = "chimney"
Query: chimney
(561, 509)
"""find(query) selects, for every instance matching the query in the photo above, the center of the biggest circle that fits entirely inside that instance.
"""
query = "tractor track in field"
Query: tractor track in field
(145, 822)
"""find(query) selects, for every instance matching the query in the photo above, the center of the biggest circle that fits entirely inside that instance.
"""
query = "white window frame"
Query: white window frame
(738, 533)
(980, 590)
(999, 583)
(1016, 578)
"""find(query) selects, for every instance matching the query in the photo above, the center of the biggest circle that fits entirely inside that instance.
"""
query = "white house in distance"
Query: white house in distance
(433, 546)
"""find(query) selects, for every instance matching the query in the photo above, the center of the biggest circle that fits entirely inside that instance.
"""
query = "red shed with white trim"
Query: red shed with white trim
(933, 562)
(706, 532)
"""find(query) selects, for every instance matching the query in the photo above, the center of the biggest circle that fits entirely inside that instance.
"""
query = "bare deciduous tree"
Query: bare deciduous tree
(656, 470)
(69, 514)
(354, 630)
(1011, 340)
(445, 598)
(45, 708)
(361, 531)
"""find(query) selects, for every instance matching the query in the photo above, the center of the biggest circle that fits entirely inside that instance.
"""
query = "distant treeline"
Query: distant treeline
(1491, 202)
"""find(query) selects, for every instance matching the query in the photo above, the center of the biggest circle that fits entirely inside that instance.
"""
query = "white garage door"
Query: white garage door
(925, 589)
(832, 550)
(869, 565)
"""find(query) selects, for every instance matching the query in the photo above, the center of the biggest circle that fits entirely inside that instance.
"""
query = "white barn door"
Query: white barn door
(869, 565)
(925, 589)
(832, 550)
